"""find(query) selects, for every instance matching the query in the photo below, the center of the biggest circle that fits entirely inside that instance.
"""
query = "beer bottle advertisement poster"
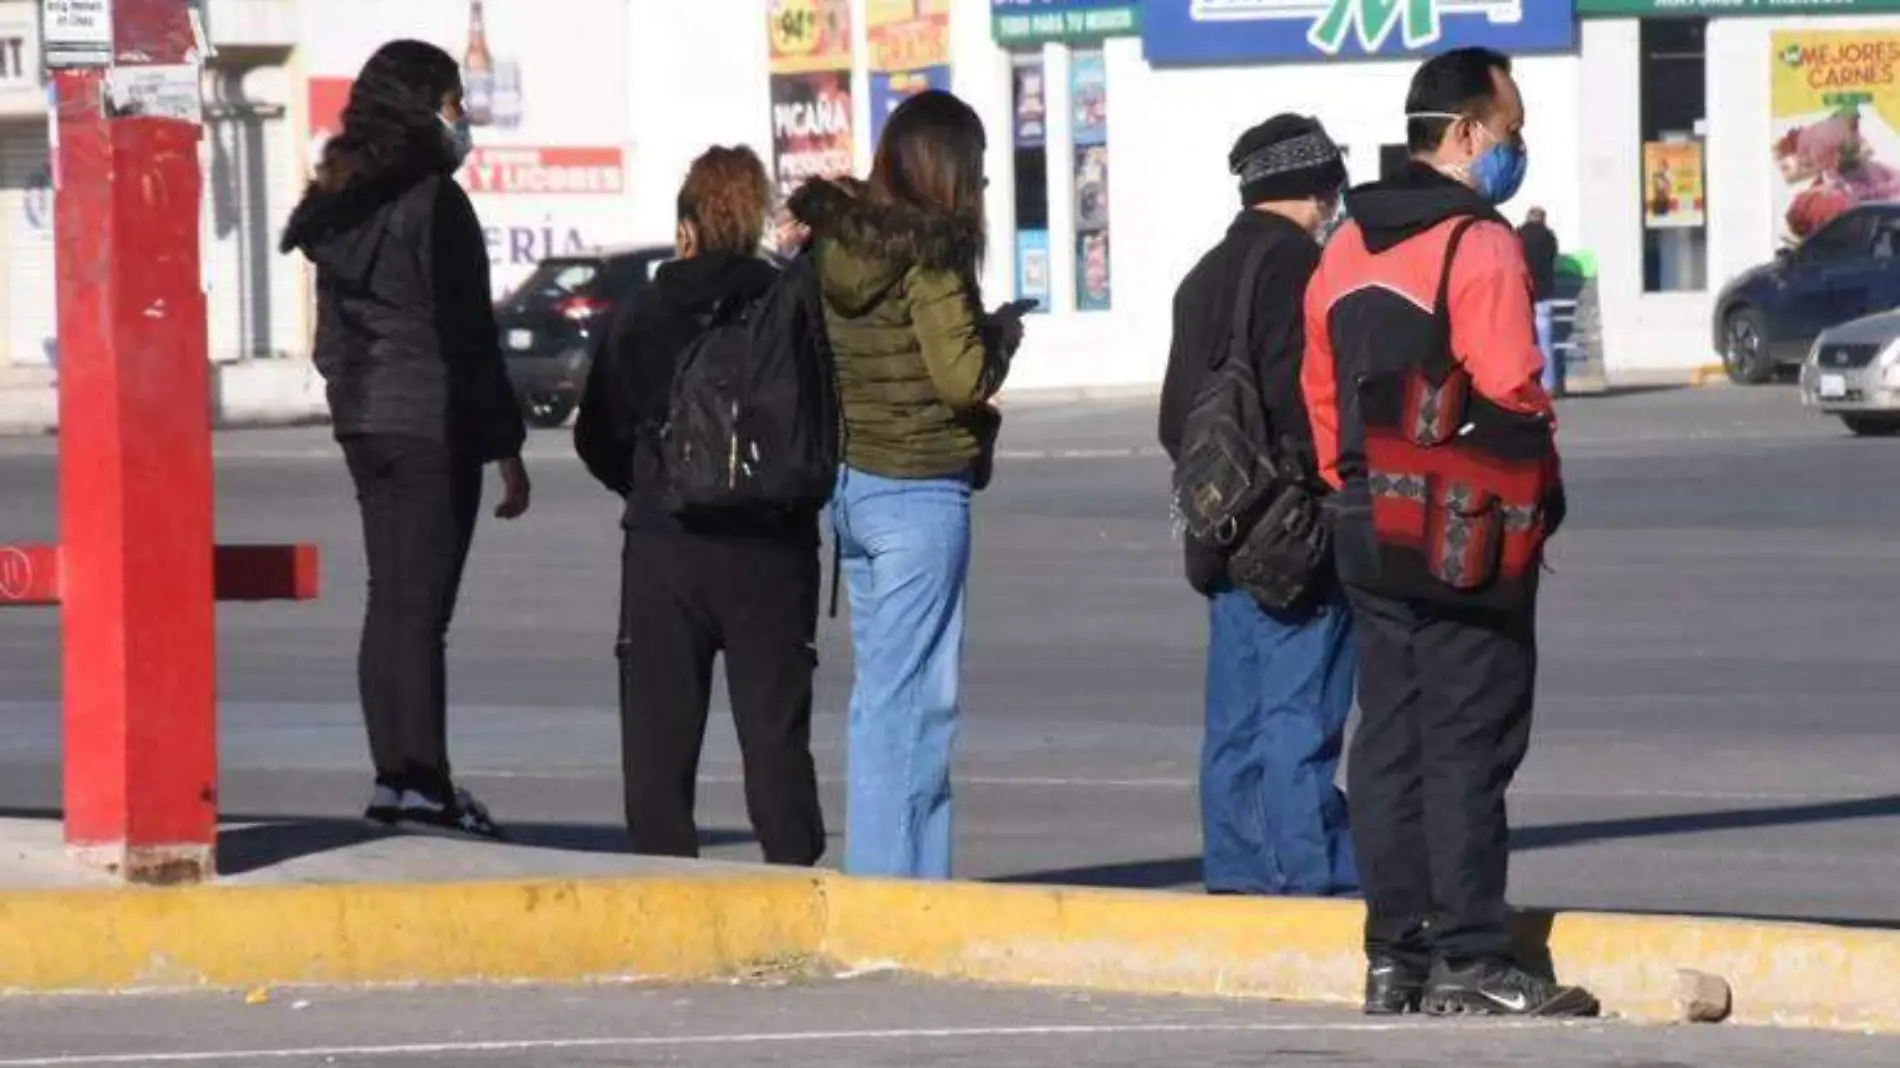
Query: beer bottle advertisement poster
(809, 35)
(811, 127)
(549, 110)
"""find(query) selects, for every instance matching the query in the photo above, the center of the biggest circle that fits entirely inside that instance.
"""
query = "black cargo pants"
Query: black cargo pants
(1445, 702)
(684, 601)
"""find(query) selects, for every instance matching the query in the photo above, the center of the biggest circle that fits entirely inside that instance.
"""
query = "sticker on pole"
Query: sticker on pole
(168, 91)
(77, 33)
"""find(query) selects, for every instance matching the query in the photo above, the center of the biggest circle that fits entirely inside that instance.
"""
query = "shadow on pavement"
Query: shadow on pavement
(1177, 872)
(249, 842)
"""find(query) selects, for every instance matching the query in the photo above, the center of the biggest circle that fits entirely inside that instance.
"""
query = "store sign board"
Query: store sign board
(1231, 31)
(1708, 8)
(78, 33)
(1031, 22)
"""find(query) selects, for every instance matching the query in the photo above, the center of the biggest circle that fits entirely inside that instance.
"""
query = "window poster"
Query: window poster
(1088, 90)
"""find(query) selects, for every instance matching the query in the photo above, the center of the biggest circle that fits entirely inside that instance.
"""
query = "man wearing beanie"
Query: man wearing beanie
(1279, 682)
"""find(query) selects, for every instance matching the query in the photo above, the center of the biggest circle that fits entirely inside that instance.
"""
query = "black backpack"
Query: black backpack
(1231, 491)
(753, 422)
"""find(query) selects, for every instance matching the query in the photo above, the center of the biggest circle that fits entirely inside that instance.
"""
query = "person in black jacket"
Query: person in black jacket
(420, 397)
(1540, 253)
(1279, 685)
(745, 585)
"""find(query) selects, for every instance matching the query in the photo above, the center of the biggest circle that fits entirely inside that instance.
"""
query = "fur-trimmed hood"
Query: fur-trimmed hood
(865, 248)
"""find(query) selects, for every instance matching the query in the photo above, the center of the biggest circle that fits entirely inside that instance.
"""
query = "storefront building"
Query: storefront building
(1670, 139)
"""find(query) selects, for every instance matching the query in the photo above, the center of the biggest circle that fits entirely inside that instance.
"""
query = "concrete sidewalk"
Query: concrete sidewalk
(408, 909)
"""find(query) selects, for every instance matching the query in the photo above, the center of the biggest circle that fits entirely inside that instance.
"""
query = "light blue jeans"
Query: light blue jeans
(906, 550)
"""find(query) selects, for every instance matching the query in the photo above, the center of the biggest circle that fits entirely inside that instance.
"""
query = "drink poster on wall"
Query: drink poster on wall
(548, 175)
(1834, 105)
(910, 52)
(1089, 92)
(811, 60)
(1673, 197)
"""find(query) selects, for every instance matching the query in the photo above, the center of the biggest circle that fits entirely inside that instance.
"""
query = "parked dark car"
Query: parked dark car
(1766, 319)
(549, 323)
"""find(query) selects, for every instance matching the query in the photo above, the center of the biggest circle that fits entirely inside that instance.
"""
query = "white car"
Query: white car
(1853, 372)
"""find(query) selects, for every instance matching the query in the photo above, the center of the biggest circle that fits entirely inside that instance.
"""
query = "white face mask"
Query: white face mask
(459, 138)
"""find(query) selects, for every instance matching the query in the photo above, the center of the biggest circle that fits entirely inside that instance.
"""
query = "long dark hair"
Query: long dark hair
(390, 124)
(931, 157)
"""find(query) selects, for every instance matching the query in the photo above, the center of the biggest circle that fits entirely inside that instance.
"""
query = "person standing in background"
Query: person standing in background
(918, 362)
(1540, 254)
(420, 399)
(1279, 684)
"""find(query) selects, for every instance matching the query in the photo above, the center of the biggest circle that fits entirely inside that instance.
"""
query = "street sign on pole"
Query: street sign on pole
(77, 33)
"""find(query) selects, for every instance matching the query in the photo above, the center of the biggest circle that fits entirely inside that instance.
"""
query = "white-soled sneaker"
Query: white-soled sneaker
(385, 805)
(460, 814)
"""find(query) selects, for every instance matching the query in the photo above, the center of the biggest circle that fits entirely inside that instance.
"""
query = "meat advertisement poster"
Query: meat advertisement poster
(1835, 110)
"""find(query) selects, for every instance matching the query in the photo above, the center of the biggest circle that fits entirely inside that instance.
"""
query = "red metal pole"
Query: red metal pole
(135, 472)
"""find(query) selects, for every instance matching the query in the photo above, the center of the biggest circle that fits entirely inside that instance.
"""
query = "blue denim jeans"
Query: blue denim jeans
(1279, 693)
(1553, 360)
(906, 550)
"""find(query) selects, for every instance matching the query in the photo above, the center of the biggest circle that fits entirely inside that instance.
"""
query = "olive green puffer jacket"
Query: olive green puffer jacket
(916, 367)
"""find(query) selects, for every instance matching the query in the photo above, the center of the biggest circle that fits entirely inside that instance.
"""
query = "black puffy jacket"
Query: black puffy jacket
(406, 336)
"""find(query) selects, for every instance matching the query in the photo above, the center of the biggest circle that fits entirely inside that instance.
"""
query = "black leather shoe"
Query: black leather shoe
(1393, 988)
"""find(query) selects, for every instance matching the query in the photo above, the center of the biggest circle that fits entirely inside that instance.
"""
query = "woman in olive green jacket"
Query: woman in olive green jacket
(918, 361)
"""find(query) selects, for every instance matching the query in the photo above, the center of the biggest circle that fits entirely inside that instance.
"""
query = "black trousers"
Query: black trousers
(419, 502)
(684, 601)
(1445, 703)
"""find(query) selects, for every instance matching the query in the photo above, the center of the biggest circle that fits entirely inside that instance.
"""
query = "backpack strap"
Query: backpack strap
(1441, 361)
(1240, 335)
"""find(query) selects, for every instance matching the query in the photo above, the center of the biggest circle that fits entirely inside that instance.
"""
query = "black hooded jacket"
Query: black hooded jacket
(630, 387)
(406, 336)
(1203, 320)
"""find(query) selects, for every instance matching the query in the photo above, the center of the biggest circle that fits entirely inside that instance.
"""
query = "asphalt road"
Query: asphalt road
(1716, 721)
(855, 1024)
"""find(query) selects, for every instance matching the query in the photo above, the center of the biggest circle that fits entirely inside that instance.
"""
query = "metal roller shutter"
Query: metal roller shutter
(251, 185)
(28, 297)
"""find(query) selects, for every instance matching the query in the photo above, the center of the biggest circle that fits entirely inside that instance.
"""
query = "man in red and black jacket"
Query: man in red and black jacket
(1422, 380)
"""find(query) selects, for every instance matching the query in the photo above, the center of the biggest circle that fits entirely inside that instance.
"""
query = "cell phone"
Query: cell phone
(1016, 309)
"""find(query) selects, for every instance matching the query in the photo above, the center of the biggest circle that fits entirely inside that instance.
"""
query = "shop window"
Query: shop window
(1030, 99)
(1088, 91)
(1674, 183)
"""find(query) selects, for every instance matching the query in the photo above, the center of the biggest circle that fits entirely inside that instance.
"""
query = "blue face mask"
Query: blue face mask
(1496, 175)
(1499, 173)
(459, 138)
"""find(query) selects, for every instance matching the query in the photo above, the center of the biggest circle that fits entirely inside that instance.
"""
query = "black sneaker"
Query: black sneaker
(1393, 988)
(461, 814)
(1496, 988)
(385, 805)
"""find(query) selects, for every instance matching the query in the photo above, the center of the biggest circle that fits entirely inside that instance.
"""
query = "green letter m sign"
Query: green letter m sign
(1375, 20)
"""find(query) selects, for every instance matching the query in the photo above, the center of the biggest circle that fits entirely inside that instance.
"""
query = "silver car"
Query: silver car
(1853, 371)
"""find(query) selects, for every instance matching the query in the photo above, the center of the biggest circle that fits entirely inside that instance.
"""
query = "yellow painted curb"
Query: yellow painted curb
(722, 921)
(670, 928)
(1709, 374)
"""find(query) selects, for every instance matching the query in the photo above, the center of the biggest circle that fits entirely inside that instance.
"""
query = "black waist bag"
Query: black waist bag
(1230, 494)
(1280, 560)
